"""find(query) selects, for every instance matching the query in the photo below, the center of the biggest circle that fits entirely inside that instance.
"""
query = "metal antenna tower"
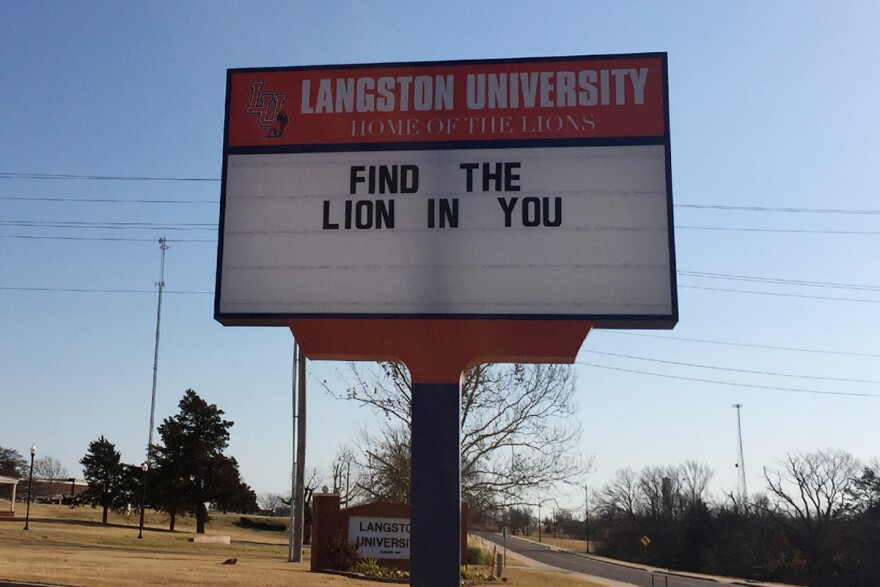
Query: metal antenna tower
(146, 465)
(741, 464)
(161, 284)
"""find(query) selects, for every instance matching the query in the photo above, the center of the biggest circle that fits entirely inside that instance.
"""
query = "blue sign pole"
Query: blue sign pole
(436, 486)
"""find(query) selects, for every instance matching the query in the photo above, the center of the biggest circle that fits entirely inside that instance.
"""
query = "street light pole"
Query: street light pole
(27, 516)
(144, 468)
(540, 501)
(587, 515)
(539, 521)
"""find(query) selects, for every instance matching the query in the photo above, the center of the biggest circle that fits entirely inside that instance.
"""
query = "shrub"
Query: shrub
(476, 555)
(468, 577)
(371, 568)
(368, 566)
(340, 554)
(257, 524)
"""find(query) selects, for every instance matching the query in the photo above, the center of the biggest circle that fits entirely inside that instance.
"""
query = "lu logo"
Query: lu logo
(269, 110)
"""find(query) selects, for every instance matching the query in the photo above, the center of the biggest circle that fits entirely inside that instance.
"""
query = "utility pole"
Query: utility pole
(163, 246)
(741, 465)
(347, 483)
(298, 498)
(291, 556)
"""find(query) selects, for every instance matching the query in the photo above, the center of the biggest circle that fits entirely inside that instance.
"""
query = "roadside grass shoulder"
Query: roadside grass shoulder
(71, 547)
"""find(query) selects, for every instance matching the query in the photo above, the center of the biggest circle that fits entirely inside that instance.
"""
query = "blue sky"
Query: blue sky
(773, 105)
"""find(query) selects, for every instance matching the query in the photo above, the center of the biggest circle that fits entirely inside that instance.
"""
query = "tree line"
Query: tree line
(187, 471)
(817, 522)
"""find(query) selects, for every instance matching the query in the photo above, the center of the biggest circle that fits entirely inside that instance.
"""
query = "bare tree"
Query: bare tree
(657, 487)
(517, 430)
(49, 469)
(385, 474)
(520, 520)
(694, 478)
(814, 487)
(346, 473)
(313, 478)
(814, 492)
(274, 503)
(620, 495)
(656, 491)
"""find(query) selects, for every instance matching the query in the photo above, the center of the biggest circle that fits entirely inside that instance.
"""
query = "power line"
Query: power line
(784, 210)
(86, 224)
(779, 281)
(679, 377)
(777, 230)
(105, 200)
(208, 241)
(69, 176)
(780, 294)
(109, 225)
(864, 212)
(63, 176)
(57, 224)
(104, 291)
(732, 370)
(100, 238)
(730, 383)
(742, 344)
(213, 241)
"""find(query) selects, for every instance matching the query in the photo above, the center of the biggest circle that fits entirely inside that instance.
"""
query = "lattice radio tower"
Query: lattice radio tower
(741, 464)
(161, 283)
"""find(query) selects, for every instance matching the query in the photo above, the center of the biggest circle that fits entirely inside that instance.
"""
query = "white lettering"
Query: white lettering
(385, 94)
(639, 76)
(324, 103)
(305, 107)
(483, 91)
(385, 103)
(365, 99)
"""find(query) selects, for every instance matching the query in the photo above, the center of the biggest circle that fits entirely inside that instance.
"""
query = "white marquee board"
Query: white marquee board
(508, 224)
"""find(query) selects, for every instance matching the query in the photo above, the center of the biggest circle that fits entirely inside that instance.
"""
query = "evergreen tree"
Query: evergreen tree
(192, 468)
(104, 472)
(12, 464)
(167, 485)
(232, 493)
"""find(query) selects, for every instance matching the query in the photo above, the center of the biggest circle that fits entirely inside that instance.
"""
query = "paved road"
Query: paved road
(590, 566)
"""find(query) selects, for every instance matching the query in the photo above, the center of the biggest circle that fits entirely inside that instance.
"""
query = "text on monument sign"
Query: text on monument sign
(380, 537)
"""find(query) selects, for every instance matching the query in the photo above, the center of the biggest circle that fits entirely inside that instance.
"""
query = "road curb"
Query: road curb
(671, 573)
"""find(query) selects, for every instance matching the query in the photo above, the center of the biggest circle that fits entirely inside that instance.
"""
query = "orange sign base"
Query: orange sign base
(439, 351)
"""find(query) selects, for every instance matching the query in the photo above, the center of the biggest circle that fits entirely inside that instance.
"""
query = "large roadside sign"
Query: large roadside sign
(524, 188)
(380, 538)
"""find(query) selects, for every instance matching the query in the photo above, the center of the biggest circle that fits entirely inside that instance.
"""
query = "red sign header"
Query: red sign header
(509, 100)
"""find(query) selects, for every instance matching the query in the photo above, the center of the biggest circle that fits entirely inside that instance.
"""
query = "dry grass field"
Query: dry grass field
(71, 547)
(571, 544)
